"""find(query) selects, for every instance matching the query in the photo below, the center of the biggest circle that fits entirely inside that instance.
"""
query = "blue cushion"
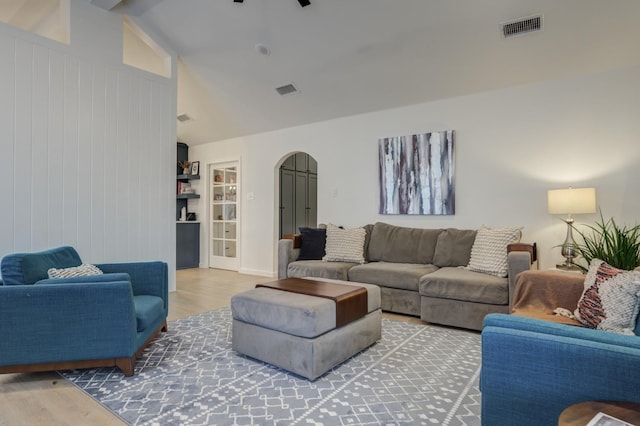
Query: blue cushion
(27, 268)
(148, 310)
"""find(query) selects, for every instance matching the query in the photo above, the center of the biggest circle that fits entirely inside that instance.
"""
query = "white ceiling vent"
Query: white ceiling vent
(522, 26)
(287, 89)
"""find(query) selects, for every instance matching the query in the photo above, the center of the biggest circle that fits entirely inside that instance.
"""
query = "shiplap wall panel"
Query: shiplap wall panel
(133, 137)
(7, 114)
(40, 147)
(123, 169)
(55, 196)
(97, 164)
(111, 193)
(23, 144)
(155, 173)
(89, 156)
(143, 181)
(70, 149)
(85, 174)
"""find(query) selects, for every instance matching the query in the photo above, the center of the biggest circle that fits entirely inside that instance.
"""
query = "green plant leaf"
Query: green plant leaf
(619, 246)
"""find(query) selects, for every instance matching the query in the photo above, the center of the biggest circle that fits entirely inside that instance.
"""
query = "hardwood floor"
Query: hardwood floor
(47, 399)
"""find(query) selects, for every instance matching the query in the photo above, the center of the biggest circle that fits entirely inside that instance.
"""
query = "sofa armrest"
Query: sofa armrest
(286, 254)
(147, 278)
(532, 369)
(517, 261)
(51, 323)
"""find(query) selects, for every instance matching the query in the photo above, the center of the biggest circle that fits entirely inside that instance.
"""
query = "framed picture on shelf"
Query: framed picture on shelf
(195, 168)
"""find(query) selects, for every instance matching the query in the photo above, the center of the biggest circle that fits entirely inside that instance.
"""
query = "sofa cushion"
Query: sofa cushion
(404, 276)
(610, 299)
(148, 310)
(318, 268)
(344, 245)
(489, 251)
(313, 242)
(27, 268)
(86, 269)
(453, 247)
(391, 243)
(462, 284)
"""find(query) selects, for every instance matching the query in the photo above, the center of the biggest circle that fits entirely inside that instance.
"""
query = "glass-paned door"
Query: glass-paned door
(224, 216)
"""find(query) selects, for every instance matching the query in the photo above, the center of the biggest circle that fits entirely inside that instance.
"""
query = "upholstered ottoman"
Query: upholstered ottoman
(299, 332)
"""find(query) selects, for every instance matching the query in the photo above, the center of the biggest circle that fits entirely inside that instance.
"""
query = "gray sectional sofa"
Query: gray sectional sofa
(420, 272)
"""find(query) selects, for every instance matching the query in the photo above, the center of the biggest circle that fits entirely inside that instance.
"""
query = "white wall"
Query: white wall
(87, 145)
(512, 145)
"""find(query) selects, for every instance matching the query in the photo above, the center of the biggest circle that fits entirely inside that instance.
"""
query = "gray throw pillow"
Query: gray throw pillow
(453, 247)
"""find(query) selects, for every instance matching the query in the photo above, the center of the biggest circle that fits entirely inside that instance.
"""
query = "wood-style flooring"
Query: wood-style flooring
(46, 399)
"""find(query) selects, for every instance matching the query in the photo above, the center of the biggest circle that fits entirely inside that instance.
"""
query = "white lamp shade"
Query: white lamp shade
(572, 201)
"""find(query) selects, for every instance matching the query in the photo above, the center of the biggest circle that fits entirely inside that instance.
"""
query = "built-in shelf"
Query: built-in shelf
(188, 177)
(185, 196)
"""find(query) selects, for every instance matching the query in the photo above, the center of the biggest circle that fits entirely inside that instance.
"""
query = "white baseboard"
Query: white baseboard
(257, 272)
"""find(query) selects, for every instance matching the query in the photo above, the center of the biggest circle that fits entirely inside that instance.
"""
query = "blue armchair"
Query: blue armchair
(533, 369)
(81, 322)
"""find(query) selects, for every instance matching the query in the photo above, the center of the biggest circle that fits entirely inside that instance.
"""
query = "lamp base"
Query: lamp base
(568, 267)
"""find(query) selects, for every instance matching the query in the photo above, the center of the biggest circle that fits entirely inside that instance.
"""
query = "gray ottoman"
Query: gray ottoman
(298, 332)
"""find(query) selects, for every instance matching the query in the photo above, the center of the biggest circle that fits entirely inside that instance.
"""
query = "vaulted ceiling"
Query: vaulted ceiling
(350, 57)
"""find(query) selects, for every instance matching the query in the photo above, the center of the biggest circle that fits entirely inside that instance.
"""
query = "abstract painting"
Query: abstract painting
(417, 174)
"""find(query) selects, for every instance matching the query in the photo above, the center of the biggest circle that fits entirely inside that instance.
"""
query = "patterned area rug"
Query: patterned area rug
(415, 375)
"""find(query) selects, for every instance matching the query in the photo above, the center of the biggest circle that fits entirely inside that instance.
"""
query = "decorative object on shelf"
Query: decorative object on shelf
(417, 174)
(195, 168)
(183, 214)
(191, 217)
(571, 201)
(617, 245)
(185, 166)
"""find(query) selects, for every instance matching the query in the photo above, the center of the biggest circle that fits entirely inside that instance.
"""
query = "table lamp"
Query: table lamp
(571, 201)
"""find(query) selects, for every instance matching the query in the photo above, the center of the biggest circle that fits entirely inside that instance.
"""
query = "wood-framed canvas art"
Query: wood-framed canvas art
(417, 174)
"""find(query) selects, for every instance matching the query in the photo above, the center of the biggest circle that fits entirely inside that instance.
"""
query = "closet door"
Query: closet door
(312, 201)
(287, 202)
(301, 200)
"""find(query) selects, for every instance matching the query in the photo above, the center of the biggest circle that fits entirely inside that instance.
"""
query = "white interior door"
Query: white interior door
(224, 215)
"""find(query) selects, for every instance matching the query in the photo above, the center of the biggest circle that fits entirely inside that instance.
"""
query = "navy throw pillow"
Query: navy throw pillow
(312, 244)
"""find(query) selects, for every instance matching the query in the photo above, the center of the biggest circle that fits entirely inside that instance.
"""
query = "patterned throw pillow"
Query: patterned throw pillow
(344, 245)
(76, 271)
(489, 250)
(611, 298)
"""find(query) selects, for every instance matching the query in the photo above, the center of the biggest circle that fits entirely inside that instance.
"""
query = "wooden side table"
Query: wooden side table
(580, 414)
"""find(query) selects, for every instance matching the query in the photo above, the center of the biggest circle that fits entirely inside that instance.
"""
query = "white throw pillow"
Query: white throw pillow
(489, 250)
(76, 271)
(344, 245)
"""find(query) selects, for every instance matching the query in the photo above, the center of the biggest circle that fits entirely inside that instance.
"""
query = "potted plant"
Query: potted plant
(619, 246)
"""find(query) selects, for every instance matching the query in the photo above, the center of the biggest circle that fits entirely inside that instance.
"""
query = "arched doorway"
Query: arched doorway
(298, 193)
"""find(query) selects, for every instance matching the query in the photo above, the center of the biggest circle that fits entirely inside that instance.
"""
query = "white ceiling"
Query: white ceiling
(354, 56)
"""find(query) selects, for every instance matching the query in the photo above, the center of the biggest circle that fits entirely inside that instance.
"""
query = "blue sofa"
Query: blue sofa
(81, 322)
(533, 369)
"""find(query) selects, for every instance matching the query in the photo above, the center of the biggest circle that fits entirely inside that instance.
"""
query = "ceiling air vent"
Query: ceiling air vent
(522, 26)
(287, 89)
